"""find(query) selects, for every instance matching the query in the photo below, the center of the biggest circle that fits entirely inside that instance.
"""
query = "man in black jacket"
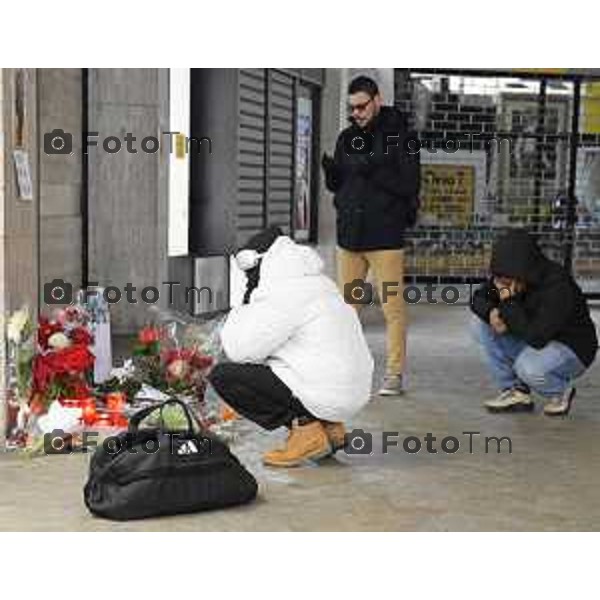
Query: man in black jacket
(534, 326)
(374, 174)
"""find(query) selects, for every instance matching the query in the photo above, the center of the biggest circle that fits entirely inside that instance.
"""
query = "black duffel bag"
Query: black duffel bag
(152, 472)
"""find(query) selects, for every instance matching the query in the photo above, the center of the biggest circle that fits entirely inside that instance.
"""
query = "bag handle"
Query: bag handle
(138, 417)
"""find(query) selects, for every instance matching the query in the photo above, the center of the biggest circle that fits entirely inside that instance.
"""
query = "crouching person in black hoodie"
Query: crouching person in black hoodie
(534, 326)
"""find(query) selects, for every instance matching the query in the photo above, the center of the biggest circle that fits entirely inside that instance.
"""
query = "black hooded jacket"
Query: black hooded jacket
(376, 195)
(552, 308)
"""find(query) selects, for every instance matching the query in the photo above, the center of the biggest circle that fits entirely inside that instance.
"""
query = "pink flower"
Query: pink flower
(178, 368)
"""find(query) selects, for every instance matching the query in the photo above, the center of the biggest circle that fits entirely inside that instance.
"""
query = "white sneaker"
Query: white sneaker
(558, 407)
(510, 401)
(392, 386)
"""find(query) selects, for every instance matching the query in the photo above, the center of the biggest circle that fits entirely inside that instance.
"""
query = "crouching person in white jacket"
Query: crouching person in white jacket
(299, 356)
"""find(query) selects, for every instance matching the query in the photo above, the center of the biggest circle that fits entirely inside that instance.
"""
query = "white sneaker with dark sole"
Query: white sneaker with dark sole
(392, 386)
(560, 407)
(510, 401)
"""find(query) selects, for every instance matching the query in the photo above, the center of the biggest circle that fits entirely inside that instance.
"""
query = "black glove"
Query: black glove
(327, 162)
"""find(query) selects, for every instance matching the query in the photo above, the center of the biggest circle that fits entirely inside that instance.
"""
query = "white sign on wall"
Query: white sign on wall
(24, 183)
(179, 164)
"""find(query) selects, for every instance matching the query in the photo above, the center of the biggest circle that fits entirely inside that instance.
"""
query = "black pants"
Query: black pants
(258, 394)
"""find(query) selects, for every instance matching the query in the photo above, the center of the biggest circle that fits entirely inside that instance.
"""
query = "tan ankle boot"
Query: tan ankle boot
(336, 433)
(305, 442)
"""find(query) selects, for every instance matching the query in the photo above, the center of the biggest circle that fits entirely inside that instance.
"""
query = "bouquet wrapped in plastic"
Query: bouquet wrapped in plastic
(172, 357)
(50, 363)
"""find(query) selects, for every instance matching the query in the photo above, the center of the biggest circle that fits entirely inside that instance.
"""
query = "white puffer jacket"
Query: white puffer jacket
(298, 324)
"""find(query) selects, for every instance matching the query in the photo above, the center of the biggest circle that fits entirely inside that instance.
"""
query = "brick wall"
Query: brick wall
(519, 159)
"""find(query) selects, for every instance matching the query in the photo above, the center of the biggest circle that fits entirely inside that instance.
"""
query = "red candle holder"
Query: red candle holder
(104, 420)
(115, 402)
(72, 402)
(120, 421)
(89, 413)
(37, 405)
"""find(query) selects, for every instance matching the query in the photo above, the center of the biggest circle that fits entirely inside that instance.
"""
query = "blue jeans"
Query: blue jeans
(511, 362)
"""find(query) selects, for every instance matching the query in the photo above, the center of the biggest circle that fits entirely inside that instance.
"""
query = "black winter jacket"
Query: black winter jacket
(376, 195)
(552, 308)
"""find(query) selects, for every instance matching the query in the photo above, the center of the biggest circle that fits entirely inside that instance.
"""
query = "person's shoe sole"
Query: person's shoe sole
(390, 392)
(301, 461)
(567, 410)
(513, 408)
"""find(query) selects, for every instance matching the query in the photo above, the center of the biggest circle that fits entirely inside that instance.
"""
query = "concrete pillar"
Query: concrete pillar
(3, 381)
(19, 281)
(59, 98)
(128, 193)
(330, 127)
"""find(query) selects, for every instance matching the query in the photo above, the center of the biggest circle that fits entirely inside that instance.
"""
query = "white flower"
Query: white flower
(124, 372)
(16, 324)
(58, 341)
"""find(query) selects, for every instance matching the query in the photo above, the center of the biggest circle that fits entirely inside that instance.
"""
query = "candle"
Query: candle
(115, 401)
(71, 402)
(120, 421)
(104, 420)
(227, 413)
(89, 413)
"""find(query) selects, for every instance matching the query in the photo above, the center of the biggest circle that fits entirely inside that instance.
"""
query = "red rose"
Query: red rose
(41, 373)
(74, 359)
(64, 363)
(74, 313)
(148, 335)
(202, 361)
(81, 336)
(168, 356)
(45, 329)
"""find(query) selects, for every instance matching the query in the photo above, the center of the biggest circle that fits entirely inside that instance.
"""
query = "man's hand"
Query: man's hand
(506, 290)
(327, 162)
(506, 293)
(496, 322)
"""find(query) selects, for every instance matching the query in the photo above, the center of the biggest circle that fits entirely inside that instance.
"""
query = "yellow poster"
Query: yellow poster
(591, 107)
(543, 71)
(448, 193)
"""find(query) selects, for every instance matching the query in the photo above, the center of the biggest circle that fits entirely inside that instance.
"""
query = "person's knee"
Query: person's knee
(219, 375)
(530, 370)
(479, 330)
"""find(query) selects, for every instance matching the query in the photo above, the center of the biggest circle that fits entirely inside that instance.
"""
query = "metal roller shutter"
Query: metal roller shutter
(265, 151)
(281, 148)
(250, 217)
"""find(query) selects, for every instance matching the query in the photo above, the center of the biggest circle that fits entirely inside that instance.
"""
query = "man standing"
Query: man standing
(374, 175)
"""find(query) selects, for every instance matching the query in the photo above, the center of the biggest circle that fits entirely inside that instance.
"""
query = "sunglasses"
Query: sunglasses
(359, 107)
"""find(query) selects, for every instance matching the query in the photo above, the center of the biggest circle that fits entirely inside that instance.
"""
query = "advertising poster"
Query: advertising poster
(302, 201)
(447, 193)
